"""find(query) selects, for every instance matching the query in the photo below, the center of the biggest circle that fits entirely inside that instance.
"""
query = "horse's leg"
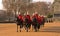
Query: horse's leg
(39, 27)
(20, 28)
(43, 24)
(35, 27)
(17, 28)
(27, 28)
(32, 27)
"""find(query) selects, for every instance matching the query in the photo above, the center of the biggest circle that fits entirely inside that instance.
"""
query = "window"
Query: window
(56, 15)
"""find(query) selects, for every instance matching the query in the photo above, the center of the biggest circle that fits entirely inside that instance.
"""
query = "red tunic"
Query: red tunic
(33, 16)
(20, 17)
(42, 18)
(36, 16)
(39, 19)
(28, 17)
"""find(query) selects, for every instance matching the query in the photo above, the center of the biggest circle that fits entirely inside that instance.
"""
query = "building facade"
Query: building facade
(56, 9)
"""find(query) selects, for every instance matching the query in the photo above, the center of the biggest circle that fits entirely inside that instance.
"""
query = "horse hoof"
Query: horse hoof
(17, 31)
(20, 30)
(27, 30)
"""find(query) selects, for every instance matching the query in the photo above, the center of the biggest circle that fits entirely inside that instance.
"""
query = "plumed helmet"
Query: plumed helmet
(36, 12)
(33, 14)
(39, 15)
(27, 13)
(24, 13)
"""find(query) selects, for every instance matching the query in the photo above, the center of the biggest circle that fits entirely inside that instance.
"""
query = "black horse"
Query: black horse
(27, 24)
(35, 24)
(43, 22)
(19, 23)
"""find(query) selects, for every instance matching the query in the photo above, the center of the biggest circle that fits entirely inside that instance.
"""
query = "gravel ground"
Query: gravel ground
(50, 29)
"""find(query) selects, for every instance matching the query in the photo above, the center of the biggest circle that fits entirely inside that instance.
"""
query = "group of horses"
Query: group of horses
(27, 26)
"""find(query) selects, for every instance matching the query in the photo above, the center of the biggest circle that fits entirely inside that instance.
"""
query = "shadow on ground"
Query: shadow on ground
(51, 29)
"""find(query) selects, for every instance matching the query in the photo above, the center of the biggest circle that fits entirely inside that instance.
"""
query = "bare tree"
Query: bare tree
(15, 5)
(40, 7)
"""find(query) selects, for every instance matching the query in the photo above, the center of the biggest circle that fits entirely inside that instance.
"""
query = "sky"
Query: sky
(1, 6)
(44, 1)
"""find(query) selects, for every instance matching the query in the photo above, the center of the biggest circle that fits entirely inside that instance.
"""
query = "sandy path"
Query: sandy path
(50, 29)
